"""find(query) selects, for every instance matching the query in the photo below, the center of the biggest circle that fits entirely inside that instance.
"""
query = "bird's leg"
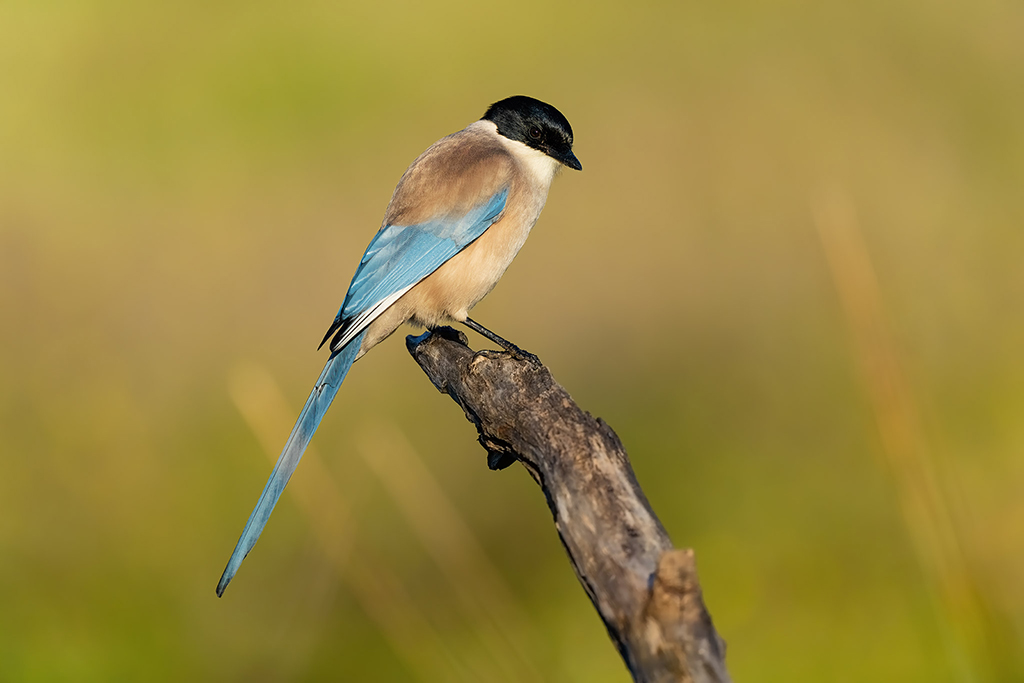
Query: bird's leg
(516, 352)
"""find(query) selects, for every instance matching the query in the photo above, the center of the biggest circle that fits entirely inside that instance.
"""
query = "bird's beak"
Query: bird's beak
(570, 160)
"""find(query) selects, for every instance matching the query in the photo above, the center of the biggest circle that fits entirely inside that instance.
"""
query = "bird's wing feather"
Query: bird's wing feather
(401, 255)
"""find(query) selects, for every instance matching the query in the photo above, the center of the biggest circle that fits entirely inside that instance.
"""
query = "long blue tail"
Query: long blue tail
(316, 405)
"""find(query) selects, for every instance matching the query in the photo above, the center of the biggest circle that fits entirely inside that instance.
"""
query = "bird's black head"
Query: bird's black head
(536, 125)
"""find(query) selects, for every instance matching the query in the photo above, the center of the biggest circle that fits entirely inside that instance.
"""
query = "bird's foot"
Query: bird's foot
(519, 354)
(509, 347)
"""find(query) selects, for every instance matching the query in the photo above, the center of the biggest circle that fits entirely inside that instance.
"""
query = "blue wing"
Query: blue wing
(400, 256)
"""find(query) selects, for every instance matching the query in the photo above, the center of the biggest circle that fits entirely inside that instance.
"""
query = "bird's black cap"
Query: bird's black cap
(535, 124)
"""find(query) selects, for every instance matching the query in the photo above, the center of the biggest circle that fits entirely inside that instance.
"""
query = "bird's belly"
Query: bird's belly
(453, 289)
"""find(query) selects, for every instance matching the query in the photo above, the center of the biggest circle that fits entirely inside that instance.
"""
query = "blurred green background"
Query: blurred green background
(791, 276)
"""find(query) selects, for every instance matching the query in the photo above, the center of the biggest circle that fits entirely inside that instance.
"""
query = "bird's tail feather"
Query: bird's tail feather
(316, 405)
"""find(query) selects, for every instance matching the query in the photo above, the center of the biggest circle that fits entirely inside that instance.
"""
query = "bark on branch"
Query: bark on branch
(646, 592)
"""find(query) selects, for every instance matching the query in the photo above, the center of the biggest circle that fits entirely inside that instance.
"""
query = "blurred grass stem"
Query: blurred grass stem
(907, 458)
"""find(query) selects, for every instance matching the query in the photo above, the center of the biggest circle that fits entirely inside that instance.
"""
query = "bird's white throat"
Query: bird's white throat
(540, 167)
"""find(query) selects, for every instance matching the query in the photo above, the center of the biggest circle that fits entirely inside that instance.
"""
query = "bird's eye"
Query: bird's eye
(535, 132)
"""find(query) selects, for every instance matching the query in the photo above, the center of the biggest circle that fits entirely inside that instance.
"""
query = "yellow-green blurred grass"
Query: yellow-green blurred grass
(187, 186)
(969, 614)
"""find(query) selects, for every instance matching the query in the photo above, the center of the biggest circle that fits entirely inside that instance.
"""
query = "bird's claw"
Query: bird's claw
(519, 354)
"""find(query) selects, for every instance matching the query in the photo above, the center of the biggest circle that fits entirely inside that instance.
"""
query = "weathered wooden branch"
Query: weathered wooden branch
(646, 592)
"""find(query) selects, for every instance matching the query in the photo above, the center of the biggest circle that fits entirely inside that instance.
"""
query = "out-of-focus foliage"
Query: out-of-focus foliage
(834, 421)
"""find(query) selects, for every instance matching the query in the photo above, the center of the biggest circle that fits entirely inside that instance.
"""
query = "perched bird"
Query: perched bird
(458, 217)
